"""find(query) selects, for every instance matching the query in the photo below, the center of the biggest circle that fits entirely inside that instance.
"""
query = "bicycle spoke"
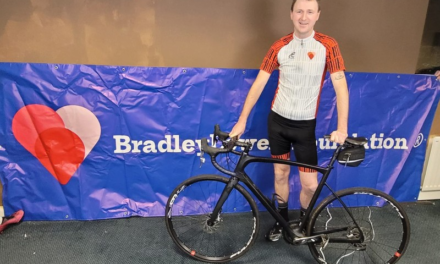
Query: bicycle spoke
(379, 223)
(228, 236)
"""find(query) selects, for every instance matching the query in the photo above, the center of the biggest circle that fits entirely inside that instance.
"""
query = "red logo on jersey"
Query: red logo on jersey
(311, 55)
(60, 140)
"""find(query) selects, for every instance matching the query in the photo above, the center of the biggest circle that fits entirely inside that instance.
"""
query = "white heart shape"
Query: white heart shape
(82, 122)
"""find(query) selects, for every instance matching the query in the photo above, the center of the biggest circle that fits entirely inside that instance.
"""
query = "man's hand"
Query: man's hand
(238, 129)
(437, 74)
(338, 137)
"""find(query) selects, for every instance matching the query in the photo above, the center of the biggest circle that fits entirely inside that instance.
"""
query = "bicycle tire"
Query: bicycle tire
(188, 209)
(382, 219)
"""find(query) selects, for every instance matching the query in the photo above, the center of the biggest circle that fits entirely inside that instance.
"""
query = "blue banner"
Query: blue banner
(94, 142)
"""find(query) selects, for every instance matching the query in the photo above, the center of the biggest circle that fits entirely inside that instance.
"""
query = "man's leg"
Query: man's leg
(306, 152)
(280, 148)
(309, 183)
(281, 184)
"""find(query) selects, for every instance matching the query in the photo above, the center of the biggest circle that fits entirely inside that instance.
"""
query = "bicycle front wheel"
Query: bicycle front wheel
(379, 218)
(190, 206)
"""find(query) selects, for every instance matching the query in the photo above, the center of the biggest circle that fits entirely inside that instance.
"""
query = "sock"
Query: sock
(283, 209)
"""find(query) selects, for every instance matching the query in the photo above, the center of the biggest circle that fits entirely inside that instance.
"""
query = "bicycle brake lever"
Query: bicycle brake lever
(202, 158)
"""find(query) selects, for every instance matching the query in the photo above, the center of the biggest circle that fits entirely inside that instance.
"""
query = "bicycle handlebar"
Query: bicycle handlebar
(211, 150)
(222, 136)
(228, 146)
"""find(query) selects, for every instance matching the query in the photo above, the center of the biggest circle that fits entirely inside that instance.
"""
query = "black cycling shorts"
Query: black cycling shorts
(285, 133)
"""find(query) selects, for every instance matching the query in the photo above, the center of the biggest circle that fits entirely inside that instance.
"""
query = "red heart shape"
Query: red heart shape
(60, 151)
(41, 131)
(311, 54)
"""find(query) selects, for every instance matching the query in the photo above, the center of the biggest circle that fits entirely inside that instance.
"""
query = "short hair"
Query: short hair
(318, 1)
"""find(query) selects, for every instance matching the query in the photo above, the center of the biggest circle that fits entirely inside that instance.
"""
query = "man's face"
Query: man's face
(304, 16)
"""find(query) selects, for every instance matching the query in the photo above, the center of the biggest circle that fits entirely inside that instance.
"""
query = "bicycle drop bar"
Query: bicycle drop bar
(222, 136)
(213, 151)
(228, 146)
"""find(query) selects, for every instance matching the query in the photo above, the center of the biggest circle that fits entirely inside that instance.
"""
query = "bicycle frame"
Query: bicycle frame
(240, 175)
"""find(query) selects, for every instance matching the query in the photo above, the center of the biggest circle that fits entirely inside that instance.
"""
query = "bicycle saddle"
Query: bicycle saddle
(358, 141)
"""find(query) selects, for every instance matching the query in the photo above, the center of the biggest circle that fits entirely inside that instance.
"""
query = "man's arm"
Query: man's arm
(252, 97)
(341, 89)
(437, 74)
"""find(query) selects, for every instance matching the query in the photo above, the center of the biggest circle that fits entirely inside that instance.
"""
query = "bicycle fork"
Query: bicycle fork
(225, 194)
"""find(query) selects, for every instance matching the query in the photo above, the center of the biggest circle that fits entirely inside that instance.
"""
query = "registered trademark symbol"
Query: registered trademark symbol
(419, 140)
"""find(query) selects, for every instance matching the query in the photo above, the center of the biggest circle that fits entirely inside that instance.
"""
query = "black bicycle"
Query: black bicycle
(214, 218)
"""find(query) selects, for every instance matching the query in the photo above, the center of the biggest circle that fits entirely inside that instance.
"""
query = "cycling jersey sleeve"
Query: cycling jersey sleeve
(335, 62)
(270, 61)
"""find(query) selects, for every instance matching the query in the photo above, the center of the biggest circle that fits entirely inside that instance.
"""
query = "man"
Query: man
(302, 58)
(437, 74)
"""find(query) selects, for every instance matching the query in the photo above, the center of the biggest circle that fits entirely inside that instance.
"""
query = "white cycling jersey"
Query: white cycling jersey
(303, 64)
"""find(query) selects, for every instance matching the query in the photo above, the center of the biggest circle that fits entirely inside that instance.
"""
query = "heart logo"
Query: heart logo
(60, 140)
(311, 55)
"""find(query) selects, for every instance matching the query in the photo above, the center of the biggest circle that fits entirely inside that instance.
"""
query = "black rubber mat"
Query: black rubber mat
(145, 240)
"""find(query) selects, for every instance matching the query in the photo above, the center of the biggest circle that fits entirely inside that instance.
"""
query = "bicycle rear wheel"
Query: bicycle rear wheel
(382, 221)
(188, 210)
